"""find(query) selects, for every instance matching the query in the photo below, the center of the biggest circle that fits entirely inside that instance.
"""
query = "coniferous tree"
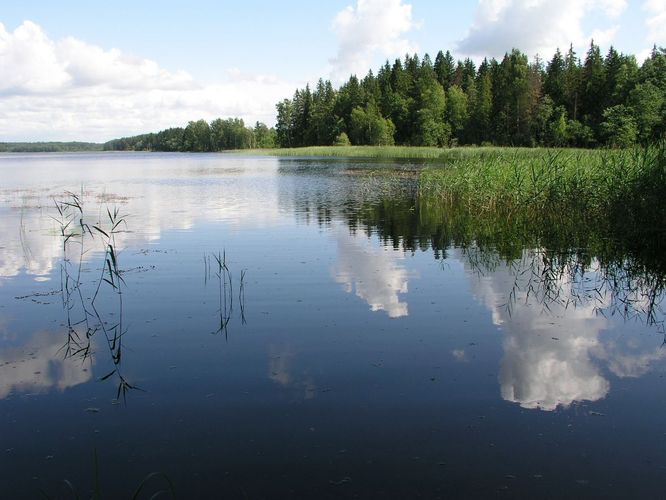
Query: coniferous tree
(444, 69)
(554, 82)
(593, 86)
(572, 76)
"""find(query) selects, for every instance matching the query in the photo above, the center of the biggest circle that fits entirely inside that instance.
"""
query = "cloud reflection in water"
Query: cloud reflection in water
(39, 366)
(372, 273)
(553, 351)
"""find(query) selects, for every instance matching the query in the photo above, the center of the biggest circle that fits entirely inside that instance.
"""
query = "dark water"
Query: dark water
(361, 340)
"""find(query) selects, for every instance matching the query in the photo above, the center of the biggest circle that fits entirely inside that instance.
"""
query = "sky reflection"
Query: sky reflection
(555, 351)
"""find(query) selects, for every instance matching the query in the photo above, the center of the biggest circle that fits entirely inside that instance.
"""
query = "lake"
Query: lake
(257, 327)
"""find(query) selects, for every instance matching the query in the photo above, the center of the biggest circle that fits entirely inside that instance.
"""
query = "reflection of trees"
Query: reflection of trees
(574, 259)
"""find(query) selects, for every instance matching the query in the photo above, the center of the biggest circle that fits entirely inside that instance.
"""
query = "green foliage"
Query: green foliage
(557, 132)
(619, 127)
(582, 184)
(431, 128)
(369, 127)
(264, 137)
(200, 136)
(230, 134)
(342, 140)
(197, 137)
(648, 105)
(456, 110)
(579, 134)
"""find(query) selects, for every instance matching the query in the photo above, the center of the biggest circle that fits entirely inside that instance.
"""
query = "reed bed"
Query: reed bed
(622, 183)
(403, 152)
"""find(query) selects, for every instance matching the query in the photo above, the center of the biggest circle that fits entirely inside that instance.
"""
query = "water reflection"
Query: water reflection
(552, 288)
(557, 292)
(39, 366)
(557, 335)
(238, 191)
(372, 273)
(27, 241)
(281, 371)
(548, 352)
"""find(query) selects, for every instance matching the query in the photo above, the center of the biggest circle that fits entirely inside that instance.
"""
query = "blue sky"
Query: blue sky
(94, 71)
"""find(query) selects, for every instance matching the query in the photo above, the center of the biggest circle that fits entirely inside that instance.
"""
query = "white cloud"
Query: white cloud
(655, 21)
(69, 89)
(538, 26)
(372, 28)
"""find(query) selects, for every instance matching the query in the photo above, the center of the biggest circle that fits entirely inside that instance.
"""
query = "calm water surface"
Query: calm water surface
(354, 345)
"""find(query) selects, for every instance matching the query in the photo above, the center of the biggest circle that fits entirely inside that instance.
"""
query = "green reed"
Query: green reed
(83, 318)
(589, 183)
(216, 267)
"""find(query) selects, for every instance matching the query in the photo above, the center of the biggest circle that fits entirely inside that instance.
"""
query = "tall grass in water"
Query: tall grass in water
(96, 494)
(216, 264)
(406, 152)
(84, 320)
(590, 183)
(396, 152)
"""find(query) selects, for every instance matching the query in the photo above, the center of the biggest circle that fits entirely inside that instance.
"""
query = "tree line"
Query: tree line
(200, 136)
(48, 147)
(599, 100)
(609, 100)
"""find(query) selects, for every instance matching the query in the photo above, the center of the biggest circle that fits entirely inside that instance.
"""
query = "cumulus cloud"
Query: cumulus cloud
(538, 26)
(68, 89)
(372, 28)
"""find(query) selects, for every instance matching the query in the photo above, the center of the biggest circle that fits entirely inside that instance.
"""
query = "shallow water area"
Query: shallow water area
(281, 327)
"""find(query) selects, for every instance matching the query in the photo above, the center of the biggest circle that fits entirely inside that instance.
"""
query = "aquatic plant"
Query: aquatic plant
(216, 264)
(97, 489)
(84, 319)
(572, 183)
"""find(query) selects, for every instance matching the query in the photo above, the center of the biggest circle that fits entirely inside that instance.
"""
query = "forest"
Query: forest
(607, 100)
(595, 101)
(200, 136)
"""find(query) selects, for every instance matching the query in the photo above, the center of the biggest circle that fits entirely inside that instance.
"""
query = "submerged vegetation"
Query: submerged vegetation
(68, 490)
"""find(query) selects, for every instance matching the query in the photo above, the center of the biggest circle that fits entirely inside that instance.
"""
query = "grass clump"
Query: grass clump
(597, 184)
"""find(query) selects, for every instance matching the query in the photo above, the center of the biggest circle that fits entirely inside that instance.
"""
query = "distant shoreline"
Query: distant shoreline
(50, 147)
(388, 152)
